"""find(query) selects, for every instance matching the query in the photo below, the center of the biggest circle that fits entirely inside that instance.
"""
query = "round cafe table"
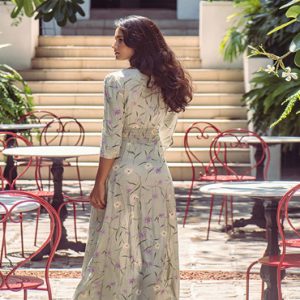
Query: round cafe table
(274, 172)
(20, 127)
(57, 154)
(16, 128)
(275, 143)
(269, 193)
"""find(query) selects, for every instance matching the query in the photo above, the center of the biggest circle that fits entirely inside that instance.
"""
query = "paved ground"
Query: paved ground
(218, 265)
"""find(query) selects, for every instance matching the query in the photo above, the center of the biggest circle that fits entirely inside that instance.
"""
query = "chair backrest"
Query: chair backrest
(197, 133)
(288, 224)
(68, 131)
(51, 132)
(8, 170)
(37, 116)
(12, 205)
(232, 150)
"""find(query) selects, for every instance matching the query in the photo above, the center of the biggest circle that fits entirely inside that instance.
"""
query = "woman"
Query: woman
(132, 250)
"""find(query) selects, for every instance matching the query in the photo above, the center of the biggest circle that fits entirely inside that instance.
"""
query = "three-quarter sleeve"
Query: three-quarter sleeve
(113, 118)
(167, 129)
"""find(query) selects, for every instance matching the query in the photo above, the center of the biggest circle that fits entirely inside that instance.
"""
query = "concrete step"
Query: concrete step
(98, 99)
(117, 13)
(95, 63)
(191, 41)
(110, 31)
(179, 171)
(99, 74)
(93, 51)
(110, 24)
(95, 125)
(97, 86)
(192, 112)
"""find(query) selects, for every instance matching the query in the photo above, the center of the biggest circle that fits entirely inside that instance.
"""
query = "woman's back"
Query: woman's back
(135, 115)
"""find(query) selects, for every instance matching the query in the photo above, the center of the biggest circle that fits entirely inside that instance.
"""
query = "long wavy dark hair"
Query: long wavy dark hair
(153, 57)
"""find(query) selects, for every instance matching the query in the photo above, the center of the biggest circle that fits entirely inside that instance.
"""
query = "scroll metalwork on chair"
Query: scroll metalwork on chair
(12, 277)
(198, 133)
(288, 255)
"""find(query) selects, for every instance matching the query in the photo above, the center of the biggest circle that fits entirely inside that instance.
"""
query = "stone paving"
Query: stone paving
(223, 252)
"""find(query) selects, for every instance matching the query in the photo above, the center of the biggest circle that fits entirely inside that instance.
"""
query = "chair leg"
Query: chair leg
(248, 279)
(188, 203)
(226, 213)
(3, 244)
(25, 294)
(221, 209)
(262, 293)
(75, 222)
(279, 284)
(212, 198)
(49, 178)
(231, 210)
(37, 225)
(79, 179)
(22, 235)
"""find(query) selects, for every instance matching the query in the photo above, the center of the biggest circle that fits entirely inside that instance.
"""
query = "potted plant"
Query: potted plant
(15, 95)
(250, 26)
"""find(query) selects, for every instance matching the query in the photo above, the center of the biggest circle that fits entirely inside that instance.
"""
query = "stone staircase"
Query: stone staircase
(103, 23)
(67, 78)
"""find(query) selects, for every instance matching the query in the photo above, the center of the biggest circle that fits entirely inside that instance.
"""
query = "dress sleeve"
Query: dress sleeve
(167, 129)
(113, 118)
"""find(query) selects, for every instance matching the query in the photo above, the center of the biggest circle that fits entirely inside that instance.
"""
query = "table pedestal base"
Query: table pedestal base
(269, 274)
(58, 199)
(257, 217)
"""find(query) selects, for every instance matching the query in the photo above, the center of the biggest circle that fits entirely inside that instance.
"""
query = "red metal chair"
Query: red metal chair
(16, 167)
(45, 137)
(71, 125)
(289, 241)
(196, 133)
(61, 130)
(11, 278)
(224, 149)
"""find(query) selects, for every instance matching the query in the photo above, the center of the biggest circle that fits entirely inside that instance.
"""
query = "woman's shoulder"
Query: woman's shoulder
(122, 76)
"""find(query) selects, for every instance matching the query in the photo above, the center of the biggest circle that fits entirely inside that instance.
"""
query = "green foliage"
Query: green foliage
(251, 26)
(60, 10)
(15, 95)
(266, 99)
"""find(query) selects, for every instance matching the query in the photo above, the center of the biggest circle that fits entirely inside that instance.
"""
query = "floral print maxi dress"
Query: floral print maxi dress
(132, 249)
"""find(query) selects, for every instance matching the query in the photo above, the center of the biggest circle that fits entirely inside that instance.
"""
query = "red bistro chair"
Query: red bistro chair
(72, 125)
(224, 149)
(17, 167)
(62, 130)
(10, 277)
(289, 242)
(199, 132)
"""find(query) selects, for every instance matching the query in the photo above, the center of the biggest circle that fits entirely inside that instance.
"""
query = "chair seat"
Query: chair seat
(225, 178)
(78, 199)
(290, 260)
(42, 193)
(292, 243)
(21, 282)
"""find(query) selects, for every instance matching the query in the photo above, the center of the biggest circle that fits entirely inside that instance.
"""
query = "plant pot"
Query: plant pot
(22, 38)
(251, 66)
(213, 26)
